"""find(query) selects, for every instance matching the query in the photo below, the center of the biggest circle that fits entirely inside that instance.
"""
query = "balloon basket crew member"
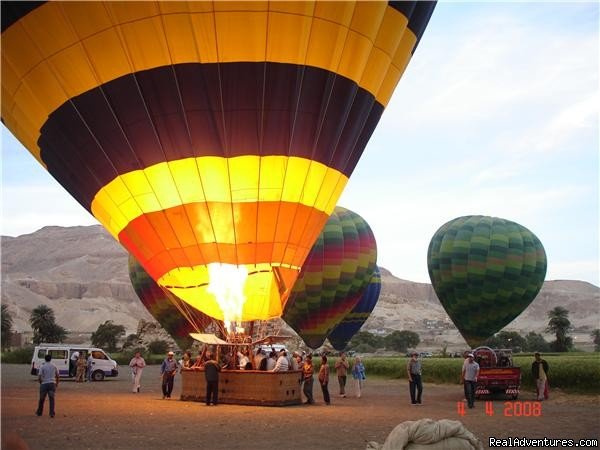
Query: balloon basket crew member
(211, 373)
(137, 365)
(415, 384)
(81, 368)
(341, 369)
(168, 369)
(282, 364)
(48, 379)
(469, 375)
(539, 372)
(324, 379)
(358, 374)
(307, 377)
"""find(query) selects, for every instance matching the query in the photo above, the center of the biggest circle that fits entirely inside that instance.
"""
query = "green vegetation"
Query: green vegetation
(44, 326)
(571, 372)
(560, 325)
(107, 335)
(7, 323)
(596, 336)
(158, 347)
(18, 356)
(400, 341)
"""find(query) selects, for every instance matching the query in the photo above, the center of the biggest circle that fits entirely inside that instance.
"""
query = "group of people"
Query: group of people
(80, 366)
(469, 376)
(48, 375)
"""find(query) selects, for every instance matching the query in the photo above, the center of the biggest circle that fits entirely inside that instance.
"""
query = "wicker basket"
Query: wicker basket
(246, 387)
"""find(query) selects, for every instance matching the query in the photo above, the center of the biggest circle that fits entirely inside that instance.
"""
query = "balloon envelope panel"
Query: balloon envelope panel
(161, 304)
(203, 133)
(354, 320)
(333, 278)
(485, 271)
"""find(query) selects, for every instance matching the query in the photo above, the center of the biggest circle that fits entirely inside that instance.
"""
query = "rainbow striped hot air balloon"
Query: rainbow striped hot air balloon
(211, 139)
(333, 278)
(354, 320)
(485, 271)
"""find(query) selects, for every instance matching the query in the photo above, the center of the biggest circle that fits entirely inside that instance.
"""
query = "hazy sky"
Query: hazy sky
(497, 114)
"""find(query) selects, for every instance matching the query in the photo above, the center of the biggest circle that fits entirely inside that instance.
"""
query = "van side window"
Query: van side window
(98, 355)
(58, 354)
(41, 353)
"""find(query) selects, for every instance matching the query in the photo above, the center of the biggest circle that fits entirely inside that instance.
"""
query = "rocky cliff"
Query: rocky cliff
(81, 273)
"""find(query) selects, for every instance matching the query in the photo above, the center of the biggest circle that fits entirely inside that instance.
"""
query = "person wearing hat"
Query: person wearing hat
(168, 369)
(469, 375)
(415, 385)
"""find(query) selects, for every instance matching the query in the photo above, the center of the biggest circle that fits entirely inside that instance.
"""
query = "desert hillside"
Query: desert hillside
(81, 273)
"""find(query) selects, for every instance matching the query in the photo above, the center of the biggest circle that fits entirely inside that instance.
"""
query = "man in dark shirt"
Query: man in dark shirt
(211, 372)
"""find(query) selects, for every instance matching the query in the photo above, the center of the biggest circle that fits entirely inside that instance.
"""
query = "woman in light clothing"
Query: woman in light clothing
(137, 365)
(358, 373)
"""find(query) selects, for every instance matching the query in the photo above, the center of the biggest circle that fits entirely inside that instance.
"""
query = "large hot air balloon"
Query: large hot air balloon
(174, 315)
(211, 139)
(354, 320)
(333, 278)
(485, 271)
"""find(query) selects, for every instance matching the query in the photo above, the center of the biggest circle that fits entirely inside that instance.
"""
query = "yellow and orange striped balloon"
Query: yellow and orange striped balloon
(205, 135)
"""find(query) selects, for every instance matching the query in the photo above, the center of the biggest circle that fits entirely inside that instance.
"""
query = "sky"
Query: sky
(497, 114)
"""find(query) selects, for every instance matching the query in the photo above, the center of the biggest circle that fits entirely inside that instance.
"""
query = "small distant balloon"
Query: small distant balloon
(354, 320)
(485, 271)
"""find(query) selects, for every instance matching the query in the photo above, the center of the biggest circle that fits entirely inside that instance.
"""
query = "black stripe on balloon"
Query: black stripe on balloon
(12, 11)
(418, 14)
(112, 130)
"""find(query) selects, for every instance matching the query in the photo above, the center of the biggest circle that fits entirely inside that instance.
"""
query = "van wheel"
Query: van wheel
(98, 375)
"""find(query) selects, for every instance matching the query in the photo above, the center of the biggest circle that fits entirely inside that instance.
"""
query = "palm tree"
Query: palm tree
(596, 337)
(559, 324)
(44, 326)
(7, 323)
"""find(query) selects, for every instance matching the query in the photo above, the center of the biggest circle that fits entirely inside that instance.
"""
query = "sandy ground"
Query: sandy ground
(107, 415)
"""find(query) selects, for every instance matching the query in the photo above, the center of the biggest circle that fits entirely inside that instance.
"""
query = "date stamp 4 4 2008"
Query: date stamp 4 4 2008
(510, 409)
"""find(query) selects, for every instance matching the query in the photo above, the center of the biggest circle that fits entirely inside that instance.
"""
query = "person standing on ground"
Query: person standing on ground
(73, 363)
(415, 385)
(341, 370)
(48, 379)
(358, 373)
(137, 365)
(211, 373)
(324, 379)
(469, 375)
(307, 377)
(168, 369)
(81, 367)
(539, 371)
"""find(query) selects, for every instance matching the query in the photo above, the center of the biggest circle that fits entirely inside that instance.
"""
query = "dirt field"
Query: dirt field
(106, 415)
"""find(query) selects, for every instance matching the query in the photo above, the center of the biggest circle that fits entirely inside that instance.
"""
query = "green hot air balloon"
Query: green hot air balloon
(485, 271)
(338, 269)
